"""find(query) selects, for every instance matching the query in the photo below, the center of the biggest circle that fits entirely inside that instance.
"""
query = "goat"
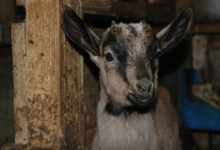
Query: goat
(133, 113)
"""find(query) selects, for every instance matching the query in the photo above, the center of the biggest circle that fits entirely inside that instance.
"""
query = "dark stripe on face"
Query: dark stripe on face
(121, 53)
(141, 69)
(151, 53)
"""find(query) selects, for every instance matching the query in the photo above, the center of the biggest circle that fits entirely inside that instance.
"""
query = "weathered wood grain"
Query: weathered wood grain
(43, 73)
(134, 10)
(20, 2)
(15, 147)
(72, 89)
(52, 71)
(20, 82)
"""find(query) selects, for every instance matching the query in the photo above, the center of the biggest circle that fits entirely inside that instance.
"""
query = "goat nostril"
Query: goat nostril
(142, 88)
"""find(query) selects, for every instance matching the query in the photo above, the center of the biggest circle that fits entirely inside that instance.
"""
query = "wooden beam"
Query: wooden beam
(55, 79)
(72, 89)
(153, 1)
(200, 45)
(212, 27)
(14, 147)
(20, 83)
(199, 55)
(135, 10)
(43, 73)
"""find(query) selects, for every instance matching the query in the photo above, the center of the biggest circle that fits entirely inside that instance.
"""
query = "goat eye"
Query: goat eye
(158, 55)
(109, 57)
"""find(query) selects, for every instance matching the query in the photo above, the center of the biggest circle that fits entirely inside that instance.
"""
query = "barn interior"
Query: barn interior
(189, 70)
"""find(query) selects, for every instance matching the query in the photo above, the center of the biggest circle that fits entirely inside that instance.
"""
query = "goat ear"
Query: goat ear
(176, 30)
(78, 32)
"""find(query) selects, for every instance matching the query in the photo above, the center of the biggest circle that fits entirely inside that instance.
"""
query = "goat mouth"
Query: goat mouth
(140, 102)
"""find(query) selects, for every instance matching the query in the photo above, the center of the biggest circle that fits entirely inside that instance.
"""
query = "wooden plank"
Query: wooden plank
(55, 109)
(15, 147)
(153, 1)
(162, 1)
(72, 89)
(20, 2)
(134, 10)
(43, 73)
(104, 7)
(212, 27)
(20, 83)
(199, 55)
(142, 10)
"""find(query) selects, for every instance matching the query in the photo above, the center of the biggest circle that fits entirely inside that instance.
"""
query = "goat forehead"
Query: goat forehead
(134, 37)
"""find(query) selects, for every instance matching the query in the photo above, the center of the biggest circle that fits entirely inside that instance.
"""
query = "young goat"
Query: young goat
(133, 113)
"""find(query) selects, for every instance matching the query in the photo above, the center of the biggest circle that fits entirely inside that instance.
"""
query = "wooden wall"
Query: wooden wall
(48, 80)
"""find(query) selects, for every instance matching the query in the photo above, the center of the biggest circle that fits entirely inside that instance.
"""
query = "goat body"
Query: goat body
(133, 113)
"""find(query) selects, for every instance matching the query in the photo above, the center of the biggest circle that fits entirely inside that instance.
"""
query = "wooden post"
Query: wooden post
(199, 55)
(19, 55)
(48, 80)
(72, 89)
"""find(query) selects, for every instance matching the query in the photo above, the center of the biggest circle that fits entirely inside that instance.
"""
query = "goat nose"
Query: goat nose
(144, 85)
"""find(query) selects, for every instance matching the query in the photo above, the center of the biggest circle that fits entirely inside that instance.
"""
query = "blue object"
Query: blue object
(197, 114)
